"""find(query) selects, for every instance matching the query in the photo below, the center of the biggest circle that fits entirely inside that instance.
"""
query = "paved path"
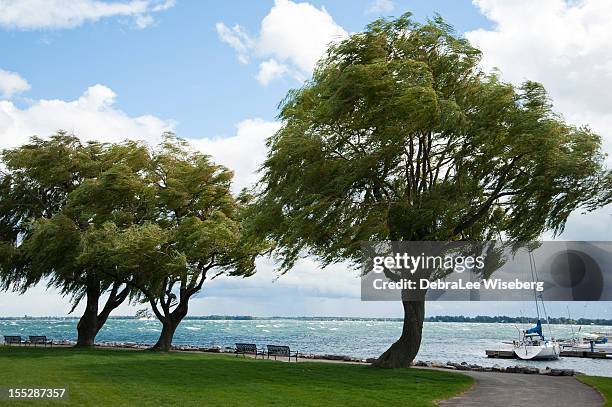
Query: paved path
(508, 389)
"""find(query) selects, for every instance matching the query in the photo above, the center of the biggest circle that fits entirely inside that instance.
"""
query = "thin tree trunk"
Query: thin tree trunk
(114, 300)
(403, 352)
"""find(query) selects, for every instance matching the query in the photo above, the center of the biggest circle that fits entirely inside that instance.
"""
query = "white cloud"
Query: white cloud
(11, 83)
(144, 20)
(92, 116)
(57, 14)
(163, 6)
(236, 38)
(270, 70)
(95, 116)
(380, 6)
(304, 279)
(298, 33)
(564, 45)
(244, 152)
(305, 290)
(292, 38)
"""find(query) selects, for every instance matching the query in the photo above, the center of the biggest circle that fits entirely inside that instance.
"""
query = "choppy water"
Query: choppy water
(442, 341)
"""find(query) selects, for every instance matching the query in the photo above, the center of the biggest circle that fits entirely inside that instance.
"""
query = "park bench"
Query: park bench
(12, 340)
(283, 351)
(248, 349)
(39, 340)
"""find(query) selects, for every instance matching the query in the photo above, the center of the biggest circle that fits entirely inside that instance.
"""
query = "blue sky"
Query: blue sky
(177, 68)
(215, 71)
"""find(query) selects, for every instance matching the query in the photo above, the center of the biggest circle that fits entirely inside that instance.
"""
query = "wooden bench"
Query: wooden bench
(248, 349)
(39, 340)
(12, 340)
(283, 351)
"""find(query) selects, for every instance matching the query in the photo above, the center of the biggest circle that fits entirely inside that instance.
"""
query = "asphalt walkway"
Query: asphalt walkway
(507, 389)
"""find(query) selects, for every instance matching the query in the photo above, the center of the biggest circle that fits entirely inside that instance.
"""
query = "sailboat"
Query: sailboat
(593, 342)
(533, 345)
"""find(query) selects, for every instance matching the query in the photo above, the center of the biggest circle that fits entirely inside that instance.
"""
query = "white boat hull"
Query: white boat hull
(544, 351)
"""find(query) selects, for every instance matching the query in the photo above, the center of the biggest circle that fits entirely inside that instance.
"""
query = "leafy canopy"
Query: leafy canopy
(53, 193)
(399, 135)
(157, 220)
(195, 229)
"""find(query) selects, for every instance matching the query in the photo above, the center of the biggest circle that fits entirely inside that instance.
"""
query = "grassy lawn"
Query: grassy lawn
(127, 378)
(602, 384)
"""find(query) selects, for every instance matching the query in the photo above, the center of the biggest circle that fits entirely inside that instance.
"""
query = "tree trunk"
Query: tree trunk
(164, 343)
(403, 352)
(169, 325)
(91, 322)
(87, 327)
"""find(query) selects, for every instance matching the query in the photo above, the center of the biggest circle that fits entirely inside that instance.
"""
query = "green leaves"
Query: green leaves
(52, 245)
(156, 219)
(399, 135)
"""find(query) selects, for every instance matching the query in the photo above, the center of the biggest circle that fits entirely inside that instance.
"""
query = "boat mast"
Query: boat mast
(570, 321)
(535, 278)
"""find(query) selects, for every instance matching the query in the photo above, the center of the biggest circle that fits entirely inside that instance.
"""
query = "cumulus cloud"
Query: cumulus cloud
(306, 290)
(95, 116)
(292, 38)
(92, 116)
(564, 45)
(243, 152)
(298, 33)
(303, 280)
(58, 14)
(11, 83)
(270, 70)
(380, 6)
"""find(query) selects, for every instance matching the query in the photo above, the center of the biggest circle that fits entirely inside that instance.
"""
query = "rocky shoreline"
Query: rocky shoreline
(547, 371)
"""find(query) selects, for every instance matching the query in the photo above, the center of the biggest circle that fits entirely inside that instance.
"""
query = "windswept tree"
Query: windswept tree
(53, 193)
(399, 135)
(196, 234)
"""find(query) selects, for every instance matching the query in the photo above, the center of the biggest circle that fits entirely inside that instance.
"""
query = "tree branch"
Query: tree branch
(495, 194)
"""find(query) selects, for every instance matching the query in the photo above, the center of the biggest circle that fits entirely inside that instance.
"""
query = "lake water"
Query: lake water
(442, 341)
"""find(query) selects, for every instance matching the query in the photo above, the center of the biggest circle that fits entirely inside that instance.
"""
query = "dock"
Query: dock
(585, 354)
(509, 354)
(500, 354)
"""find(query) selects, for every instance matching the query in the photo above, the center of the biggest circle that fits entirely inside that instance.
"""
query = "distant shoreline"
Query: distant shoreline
(443, 318)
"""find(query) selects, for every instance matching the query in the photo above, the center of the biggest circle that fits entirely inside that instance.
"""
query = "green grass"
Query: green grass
(602, 384)
(102, 377)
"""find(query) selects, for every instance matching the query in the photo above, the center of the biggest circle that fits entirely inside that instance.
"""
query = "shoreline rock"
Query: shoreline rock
(521, 369)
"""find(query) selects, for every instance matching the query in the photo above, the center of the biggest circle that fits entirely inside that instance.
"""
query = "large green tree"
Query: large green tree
(53, 193)
(399, 135)
(195, 234)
